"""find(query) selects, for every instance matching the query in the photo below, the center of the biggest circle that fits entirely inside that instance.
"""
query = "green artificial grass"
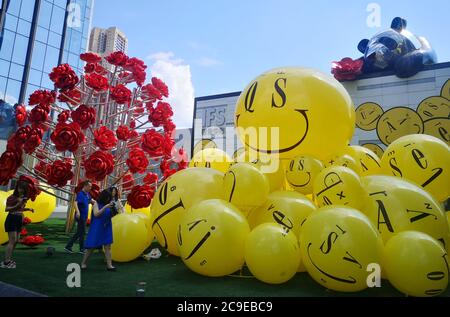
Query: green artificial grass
(165, 277)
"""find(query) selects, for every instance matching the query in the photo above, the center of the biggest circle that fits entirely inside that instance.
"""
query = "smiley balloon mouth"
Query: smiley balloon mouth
(373, 121)
(418, 131)
(351, 279)
(302, 185)
(287, 149)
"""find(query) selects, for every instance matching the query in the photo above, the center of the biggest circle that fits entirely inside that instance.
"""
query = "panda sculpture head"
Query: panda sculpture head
(396, 49)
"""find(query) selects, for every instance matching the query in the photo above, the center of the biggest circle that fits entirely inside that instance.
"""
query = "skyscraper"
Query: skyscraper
(35, 36)
(106, 41)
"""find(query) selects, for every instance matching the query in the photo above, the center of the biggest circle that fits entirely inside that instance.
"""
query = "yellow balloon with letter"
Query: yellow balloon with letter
(339, 185)
(272, 253)
(43, 206)
(245, 186)
(301, 173)
(175, 195)
(293, 111)
(212, 158)
(397, 205)
(130, 237)
(369, 162)
(416, 264)
(211, 238)
(344, 160)
(337, 245)
(423, 159)
(288, 209)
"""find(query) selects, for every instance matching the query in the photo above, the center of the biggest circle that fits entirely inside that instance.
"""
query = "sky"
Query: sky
(207, 47)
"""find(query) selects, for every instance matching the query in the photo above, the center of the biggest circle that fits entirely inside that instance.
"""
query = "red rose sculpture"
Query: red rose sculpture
(347, 69)
(137, 161)
(104, 138)
(42, 97)
(123, 133)
(10, 161)
(21, 115)
(84, 116)
(71, 96)
(64, 77)
(160, 114)
(64, 116)
(121, 94)
(151, 179)
(33, 186)
(128, 181)
(117, 58)
(153, 143)
(33, 141)
(67, 137)
(140, 196)
(32, 241)
(90, 57)
(59, 173)
(96, 82)
(99, 165)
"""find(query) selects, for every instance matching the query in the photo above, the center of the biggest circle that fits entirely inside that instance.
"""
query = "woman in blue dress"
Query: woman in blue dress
(100, 231)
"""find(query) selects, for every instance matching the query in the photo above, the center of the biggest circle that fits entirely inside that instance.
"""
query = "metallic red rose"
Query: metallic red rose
(41, 169)
(121, 94)
(38, 115)
(42, 97)
(104, 138)
(33, 186)
(21, 135)
(64, 77)
(84, 116)
(140, 196)
(128, 181)
(21, 115)
(137, 161)
(151, 179)
(10, 161)
(151, 93)
(347, 69)
(153, 143)
(98, 165)
(96, 82)
(89, 68)
(32, 241)
(67, 137)
(64, 116)
(90, 57)
(117, 58)
(166, 169)
(161, 86)
(160, 114)
(34, 140)
(71, 96)
(123, 133)
(59, 173)
(169, 127)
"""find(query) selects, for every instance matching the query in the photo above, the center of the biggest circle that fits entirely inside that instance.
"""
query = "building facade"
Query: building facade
(35, 36)
(106, 41)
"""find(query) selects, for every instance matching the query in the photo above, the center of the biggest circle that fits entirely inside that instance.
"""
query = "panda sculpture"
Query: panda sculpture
(396, 49)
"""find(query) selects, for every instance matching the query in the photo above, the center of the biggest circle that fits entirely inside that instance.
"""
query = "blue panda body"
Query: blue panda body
(396, 49)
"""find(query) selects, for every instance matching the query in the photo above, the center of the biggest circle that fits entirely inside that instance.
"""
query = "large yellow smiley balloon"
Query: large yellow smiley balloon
(423, 159)
(211, 238)
(178, 193)
(337, 244)
(294, 111)
(434, 107)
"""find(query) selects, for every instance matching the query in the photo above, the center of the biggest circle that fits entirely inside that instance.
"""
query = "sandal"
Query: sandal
(8, 265)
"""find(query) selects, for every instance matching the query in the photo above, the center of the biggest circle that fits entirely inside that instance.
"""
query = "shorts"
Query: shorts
(13, 223)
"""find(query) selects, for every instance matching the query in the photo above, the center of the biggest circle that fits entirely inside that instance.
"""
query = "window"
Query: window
(2, 87)
(75, 42)
(54, 39)
(10, 22)
(57, 22)
(14, 7)
(41, 34)
(4, 68)
(24, 27)
(16, 71)
(73, 60)
(51, 59)
(26, 10)
(7, 45)
(35, 77)
(20, 49)
(61, 3)
(12, 91)
(46, 82)
(45, 13)
(37, 60)
(30, 90)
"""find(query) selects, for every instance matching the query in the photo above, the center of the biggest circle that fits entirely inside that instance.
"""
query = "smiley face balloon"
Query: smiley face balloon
(345, 160)
(174, 196)
(398, 122)
(294, 111)
(211, 238)
(211, 158)
(339, 185)
(301, 172)
(422, 159)
(368, 161)
(439, 128)
(367, 116)
(337, 244)
(416, 264)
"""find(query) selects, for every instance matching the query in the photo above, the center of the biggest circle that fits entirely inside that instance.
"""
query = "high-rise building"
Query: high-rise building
(35, 36)
(106, 41)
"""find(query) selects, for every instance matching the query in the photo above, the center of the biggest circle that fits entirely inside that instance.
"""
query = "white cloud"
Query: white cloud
(177, 76)
(207, 62)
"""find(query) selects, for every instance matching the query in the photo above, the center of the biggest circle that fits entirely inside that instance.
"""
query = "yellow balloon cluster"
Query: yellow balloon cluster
(272, 253)
(416, 264)
(422, 159)
(301, 173)
(369, 162)
(337, 245)
(295, 111)
(345, 160)
(211, 238)
(129, 237)
(43, 206)
(212, 158)
(177, 194)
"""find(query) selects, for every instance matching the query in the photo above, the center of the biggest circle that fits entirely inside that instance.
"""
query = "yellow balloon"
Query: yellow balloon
(294, 111)
(144, 211)
(423, 159)
(345, 160)
(301, 172)
(175, 195)
(204, 144)
(148, 225)
(212, 158)
(3, 215)
(369, 162)
(375, 148)
(129, 237)
(445, 92)
(245, 186)
(338, 185)
(337, 245)
(439, 128)
(288, 209)
(43, 206)
(397, 205)
(272, 253)
(434, 107)
(416, 264)
(211, 238)
(367, 116)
